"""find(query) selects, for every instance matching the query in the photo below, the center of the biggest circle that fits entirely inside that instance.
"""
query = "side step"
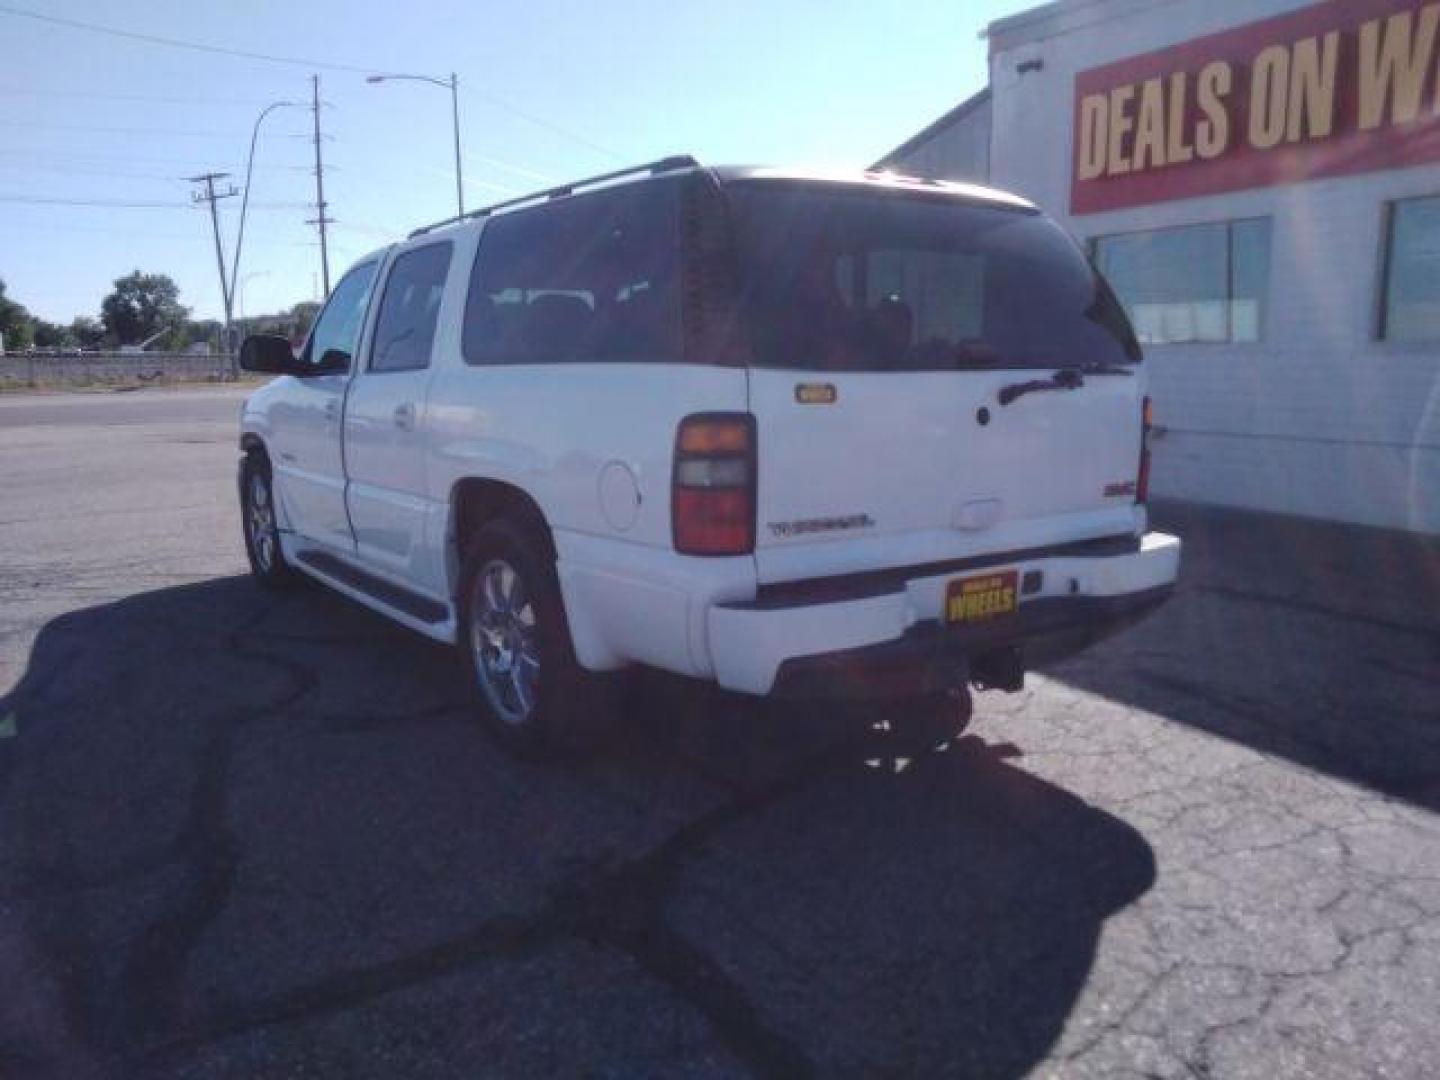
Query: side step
(388, 593)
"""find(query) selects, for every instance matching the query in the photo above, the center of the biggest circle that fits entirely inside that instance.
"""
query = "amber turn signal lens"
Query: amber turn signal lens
(714, 437)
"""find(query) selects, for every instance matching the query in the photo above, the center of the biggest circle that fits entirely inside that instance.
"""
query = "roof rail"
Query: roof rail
(650, 168)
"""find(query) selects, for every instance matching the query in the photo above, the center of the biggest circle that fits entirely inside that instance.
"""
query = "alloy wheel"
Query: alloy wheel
(505, 641)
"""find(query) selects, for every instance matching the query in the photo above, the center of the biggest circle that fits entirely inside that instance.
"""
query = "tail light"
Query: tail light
(1142, 483)
(712, 493)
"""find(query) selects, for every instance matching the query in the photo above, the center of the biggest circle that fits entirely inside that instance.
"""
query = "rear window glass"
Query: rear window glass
(589, 278)
(835, 281)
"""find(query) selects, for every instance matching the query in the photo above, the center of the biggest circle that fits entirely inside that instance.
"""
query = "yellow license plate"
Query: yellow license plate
(984, 596)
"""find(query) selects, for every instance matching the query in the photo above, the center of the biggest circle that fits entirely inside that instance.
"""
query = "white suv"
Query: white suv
(792, 433)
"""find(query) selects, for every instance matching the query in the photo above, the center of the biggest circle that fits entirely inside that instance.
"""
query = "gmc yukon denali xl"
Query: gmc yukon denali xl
(792, 433)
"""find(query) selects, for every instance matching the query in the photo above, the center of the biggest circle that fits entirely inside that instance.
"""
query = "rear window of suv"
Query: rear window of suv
(593, 277)
(833, 280)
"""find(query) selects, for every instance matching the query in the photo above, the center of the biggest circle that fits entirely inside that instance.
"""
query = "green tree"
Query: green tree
(303, 315)
(142, 305)
(50, 335)
(15, 323)
(87, 333)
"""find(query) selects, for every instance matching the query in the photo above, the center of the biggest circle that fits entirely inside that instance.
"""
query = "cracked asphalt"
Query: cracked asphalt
(247, 835)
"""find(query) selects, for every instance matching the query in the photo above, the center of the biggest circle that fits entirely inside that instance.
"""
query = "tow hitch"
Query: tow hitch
(1003, 669)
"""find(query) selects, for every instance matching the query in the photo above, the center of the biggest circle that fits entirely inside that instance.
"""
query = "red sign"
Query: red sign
(1340, 87)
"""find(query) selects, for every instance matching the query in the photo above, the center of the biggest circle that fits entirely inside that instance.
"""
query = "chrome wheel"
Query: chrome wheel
(504, 639)
(260, 521)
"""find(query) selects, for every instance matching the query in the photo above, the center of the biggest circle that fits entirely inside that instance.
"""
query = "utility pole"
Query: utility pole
(321, 219)
(211, 196)
(455, 129)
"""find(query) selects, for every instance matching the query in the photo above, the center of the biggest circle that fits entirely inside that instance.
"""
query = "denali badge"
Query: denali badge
(811, 393)
(826, 524)
(1121, 488)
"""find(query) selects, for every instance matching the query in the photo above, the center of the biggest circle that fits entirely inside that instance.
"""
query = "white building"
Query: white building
(1260, 181)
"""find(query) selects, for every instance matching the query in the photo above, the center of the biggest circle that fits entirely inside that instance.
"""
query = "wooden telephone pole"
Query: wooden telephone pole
(211, 196)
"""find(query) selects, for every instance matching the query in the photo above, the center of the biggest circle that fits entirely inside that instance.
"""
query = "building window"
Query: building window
(1410, 307)
(1204, 283)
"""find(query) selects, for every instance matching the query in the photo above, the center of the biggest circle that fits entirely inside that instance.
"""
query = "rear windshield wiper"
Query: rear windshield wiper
(1065, 378)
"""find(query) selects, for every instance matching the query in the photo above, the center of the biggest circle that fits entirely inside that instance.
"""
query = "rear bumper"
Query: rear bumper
(894, 642)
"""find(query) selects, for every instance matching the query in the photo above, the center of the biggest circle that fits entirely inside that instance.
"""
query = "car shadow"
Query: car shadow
(242, 830)
(1308, 640)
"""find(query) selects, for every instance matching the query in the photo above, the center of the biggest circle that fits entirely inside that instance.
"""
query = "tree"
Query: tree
(16, 326)
(87, 333)
(142, 305)
(303, 314)
(50, 335)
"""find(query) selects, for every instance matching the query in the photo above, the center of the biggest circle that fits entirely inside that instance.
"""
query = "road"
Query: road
(251, 835)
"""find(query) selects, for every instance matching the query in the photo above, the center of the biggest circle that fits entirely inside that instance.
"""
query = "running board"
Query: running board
(388, 593)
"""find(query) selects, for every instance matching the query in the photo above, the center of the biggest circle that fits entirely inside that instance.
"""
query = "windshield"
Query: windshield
(834, 280)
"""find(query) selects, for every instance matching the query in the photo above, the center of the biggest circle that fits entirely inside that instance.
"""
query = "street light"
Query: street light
(453, 85)
(249, 169)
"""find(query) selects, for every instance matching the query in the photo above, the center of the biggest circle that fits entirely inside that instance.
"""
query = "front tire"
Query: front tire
(261, 525)
(534, 695)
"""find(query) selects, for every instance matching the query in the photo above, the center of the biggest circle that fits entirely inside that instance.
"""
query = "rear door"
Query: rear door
(904, 351)
(385, 413)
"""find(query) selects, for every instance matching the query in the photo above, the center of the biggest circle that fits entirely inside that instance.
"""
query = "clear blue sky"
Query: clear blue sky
(89, 117)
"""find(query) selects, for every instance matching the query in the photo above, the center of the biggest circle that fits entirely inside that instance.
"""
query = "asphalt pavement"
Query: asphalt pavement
(251, 835)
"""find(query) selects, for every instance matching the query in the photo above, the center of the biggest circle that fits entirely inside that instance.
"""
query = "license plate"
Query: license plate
(984, 596)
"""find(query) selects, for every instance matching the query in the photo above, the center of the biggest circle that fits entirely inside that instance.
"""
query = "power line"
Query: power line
(87, 158)
(133, 204)
(296, 61)
(46, 200)
(50, 226)
(167, 132)
(94, 170)
(158, 99)
(518, 170)
(500, 103)
(177, 43)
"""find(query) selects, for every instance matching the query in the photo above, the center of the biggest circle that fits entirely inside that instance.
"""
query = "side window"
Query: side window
(410, 309)
(338, 327)
(594, 277)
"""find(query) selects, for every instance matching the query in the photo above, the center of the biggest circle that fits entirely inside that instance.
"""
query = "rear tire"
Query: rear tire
(261, 525)
(515, 641)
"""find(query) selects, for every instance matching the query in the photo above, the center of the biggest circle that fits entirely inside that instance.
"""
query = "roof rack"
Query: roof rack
(651, 168)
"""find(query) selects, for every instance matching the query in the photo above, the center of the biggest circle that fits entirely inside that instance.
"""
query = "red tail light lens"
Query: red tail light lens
(1142, 483)
(712, 493)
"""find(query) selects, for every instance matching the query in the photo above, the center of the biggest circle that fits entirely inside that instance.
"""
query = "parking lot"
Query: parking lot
(246, 834)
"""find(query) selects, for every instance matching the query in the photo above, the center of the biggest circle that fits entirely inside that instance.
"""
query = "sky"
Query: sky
(550, 91)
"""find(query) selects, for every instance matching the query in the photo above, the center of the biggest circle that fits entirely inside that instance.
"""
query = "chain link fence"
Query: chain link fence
(40, 371)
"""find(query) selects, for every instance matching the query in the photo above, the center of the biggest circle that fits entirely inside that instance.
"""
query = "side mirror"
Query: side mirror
(267, 354)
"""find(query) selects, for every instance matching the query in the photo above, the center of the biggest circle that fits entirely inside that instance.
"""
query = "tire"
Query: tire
(515, 642)
(260, 525)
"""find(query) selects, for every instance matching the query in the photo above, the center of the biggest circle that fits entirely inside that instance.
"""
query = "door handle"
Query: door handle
(332, 408)
(405, 416)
